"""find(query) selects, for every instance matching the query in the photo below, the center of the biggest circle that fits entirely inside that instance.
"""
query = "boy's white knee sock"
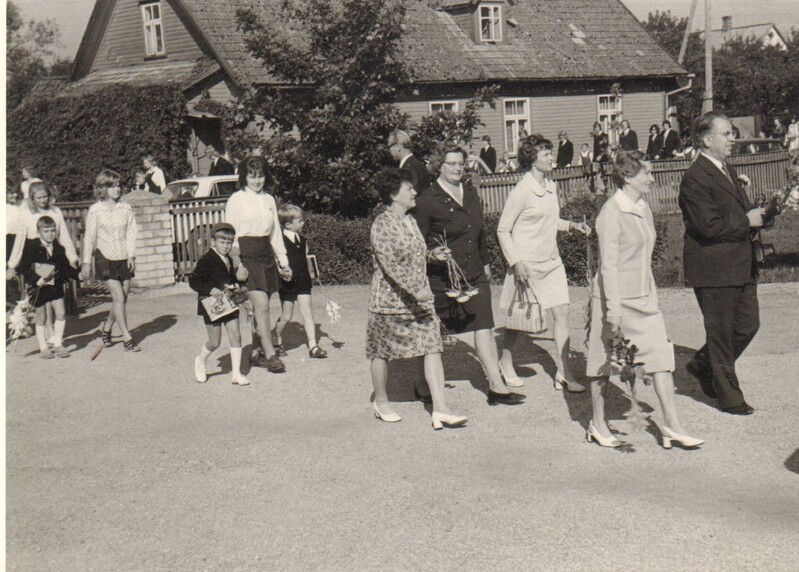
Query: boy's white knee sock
(205, 353)
(41, 335)
(235, 361)
(58, 335)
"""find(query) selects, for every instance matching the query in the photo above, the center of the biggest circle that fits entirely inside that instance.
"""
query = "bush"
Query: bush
(342, 247)
(69, 139)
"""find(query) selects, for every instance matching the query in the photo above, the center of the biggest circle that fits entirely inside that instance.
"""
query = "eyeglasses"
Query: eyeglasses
(454, 163)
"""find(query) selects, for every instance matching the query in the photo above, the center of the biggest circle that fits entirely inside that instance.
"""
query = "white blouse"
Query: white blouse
(110, 228)
(27, 229)
(255, 214)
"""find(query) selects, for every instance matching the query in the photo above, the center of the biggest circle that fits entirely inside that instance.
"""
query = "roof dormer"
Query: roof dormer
(483, 20)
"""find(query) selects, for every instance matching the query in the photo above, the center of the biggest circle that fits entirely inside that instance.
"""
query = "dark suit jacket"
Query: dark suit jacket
(210, 273)
(221, 167)
(670, 144)
(629, 142)
(489, 157)
(653, 146)
(34, 252)
(420, 177)
(565, 153)
(718, 248)
(439, 216)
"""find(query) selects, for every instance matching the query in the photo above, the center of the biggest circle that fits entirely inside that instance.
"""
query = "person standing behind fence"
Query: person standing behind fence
(527, 233)
(628, 139)
(670, 142)
(154, 176)
(565, 150)
(720, 222)
(653, 143)
(219, 165)
(111, 240)
(253, 213)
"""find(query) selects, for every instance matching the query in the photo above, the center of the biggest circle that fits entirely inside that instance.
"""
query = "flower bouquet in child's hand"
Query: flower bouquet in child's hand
(239, 298)
(21, 319)
(622, 356)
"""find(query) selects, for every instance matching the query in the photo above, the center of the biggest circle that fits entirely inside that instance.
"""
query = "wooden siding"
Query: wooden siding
(642, 110)
(220, 89)
(123, 42)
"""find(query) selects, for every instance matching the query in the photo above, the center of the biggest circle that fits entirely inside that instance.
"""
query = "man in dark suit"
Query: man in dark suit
(628, 139)
(670, 141)
(565, 150)
(399, 145)
(488, 154)
(717, 257)
(219, 165)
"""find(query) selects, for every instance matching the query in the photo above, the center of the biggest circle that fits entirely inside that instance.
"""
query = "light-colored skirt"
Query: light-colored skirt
(402, 336)
(547, 284)
(642, 323)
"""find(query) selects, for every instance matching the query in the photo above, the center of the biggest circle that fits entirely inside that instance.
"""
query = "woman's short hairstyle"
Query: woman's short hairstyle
(529, 148)
(104, 181)
(388, 183)
(656, 127)
(38, 186)
(597, 124)
(440, 153)
(252, 165)
(627, 164)
(288, 213)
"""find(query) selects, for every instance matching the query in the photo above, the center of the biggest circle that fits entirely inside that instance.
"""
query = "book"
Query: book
(217, 309)
(313, 267)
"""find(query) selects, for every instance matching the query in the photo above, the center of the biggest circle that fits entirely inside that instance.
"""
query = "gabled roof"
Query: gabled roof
(543, 40)
(760, 32)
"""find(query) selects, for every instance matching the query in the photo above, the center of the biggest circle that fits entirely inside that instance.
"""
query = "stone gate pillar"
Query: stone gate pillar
(154, 260)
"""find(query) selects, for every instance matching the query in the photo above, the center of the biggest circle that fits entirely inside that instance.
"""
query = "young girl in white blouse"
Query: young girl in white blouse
(258, 251)
(111, 238)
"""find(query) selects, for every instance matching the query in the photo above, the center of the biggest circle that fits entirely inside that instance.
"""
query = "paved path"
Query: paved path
(124, 463)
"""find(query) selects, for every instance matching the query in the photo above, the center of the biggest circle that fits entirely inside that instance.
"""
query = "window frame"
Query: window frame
(443, 102)
(606, 116)
(512, 147)
(153, 28)
(495, 22)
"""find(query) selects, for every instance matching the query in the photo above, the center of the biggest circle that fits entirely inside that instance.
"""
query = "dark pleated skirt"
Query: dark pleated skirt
(258, 258)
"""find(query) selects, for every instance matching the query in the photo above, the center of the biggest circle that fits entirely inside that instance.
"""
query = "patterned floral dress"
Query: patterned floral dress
(399, 327)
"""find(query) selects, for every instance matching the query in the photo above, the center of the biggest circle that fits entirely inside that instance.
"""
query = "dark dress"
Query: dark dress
(35, 252)
(300, 282)
(441, 218)
(212, 272)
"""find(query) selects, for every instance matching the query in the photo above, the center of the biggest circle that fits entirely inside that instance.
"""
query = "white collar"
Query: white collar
(219, 254)
(539, 189)
(291, 234)
(628, 206)
(405, 159)
(447, 186)
(716, 162)
(47, 245)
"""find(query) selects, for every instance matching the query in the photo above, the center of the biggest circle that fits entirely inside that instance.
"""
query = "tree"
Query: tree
(29, 45)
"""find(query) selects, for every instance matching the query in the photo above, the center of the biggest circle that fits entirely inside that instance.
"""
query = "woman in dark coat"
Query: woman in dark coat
(449, 213)
(654, 144)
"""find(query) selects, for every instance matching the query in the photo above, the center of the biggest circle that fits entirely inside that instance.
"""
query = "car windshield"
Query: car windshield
(179, 190)
(225, 188)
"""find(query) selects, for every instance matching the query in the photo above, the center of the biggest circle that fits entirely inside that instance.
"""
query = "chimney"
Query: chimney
(726, 23)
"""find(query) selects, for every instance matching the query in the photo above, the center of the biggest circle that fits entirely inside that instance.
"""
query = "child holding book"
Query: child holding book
(213, 273)
(298, 289)
(45, 266)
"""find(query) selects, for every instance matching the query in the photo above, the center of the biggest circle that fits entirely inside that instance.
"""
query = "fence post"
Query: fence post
(154, 264)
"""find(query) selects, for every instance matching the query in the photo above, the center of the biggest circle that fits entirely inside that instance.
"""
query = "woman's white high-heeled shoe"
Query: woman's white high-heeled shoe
(387, 417)
(560, 382)
(510, 380)
(684, 440)
(442, 419)
(593, 435)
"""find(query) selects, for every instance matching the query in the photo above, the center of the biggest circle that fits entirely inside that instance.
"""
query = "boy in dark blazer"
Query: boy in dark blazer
(719, 224)
(214, 272)
(45, 267)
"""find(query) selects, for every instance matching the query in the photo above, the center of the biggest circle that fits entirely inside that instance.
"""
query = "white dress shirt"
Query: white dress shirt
(255, 214)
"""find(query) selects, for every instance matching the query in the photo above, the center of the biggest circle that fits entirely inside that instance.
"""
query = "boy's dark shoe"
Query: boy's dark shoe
(740, 409)
(275, 365)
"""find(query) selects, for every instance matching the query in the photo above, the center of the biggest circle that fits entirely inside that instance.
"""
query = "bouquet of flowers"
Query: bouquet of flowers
(20, 320)
(622, 356)
(459, 290)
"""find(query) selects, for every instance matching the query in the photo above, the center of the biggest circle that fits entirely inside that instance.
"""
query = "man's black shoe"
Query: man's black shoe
(511, 398)
(705, 380)
(740, 409)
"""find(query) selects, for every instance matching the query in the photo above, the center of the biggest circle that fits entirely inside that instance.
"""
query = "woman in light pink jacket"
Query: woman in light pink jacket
(625, 298)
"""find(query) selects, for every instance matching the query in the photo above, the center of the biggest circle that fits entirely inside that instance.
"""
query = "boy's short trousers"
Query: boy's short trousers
(41, 295)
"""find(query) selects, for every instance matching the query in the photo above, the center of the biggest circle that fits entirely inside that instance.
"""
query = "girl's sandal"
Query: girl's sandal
(130, 346)
(317, 352)
(106, 337)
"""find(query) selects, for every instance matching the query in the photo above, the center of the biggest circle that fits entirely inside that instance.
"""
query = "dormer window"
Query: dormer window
(153, 30)
(490, 23)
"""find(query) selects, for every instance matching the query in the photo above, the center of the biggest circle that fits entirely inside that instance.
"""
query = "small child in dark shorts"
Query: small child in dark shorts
(213, 272)
(45, 266)
(298, 289)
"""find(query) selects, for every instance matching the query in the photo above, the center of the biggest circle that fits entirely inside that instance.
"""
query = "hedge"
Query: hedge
(343, 250)
(67, 140)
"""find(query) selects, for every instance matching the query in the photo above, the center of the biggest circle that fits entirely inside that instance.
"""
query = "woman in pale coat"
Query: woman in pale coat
(625, 298)
(527, 233)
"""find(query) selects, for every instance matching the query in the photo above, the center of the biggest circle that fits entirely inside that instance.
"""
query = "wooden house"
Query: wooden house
(554, 60)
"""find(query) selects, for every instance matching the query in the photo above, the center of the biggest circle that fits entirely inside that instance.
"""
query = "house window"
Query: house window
(153, 29)
(608, 109)
(490, 23)
(439, 106)
(517, 122)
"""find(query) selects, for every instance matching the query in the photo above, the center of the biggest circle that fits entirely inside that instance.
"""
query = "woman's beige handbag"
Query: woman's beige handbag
(524, 313)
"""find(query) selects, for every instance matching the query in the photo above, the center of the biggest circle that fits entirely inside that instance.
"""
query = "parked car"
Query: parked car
(195, 188)
(755, 145)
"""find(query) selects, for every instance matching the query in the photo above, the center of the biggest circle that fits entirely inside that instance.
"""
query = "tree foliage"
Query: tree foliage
(29, 47)
(748, 78)
(324, 119)
(69, 139)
